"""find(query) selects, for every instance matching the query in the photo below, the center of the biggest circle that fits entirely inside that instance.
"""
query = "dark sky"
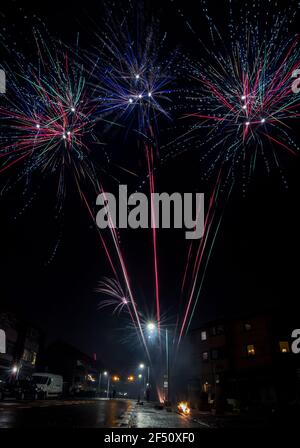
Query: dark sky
(254, 262)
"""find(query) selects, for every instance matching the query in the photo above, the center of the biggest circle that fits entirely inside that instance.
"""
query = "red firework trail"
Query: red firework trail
(134, 317)
(199, 256)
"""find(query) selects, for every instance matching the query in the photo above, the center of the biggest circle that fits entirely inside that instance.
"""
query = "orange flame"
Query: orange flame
(184, 408)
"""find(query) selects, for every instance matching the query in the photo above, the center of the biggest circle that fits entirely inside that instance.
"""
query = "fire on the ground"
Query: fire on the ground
(184, 408)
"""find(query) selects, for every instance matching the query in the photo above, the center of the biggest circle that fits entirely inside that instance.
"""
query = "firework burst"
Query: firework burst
(49, 122)
(131, 79)
(118, 298)
(246, 100)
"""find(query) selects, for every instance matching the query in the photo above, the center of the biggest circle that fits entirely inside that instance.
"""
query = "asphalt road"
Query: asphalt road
(94, 413)
(90, 413)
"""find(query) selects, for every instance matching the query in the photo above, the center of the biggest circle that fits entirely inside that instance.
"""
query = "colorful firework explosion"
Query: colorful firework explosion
(48, 121)
(132, 80)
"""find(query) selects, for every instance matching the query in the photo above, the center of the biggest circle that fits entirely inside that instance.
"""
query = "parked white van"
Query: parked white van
(49, 385)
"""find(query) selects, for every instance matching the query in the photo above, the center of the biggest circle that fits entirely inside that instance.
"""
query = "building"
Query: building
(80, 372)
(23, 342)
(244, 361)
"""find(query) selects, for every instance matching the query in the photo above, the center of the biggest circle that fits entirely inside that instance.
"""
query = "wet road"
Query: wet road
(94, 413)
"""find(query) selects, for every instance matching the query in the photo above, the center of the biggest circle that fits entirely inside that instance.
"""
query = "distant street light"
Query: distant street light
(105, 373)
(142, 366)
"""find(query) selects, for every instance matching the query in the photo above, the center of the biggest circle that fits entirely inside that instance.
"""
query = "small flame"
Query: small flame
(184, 408)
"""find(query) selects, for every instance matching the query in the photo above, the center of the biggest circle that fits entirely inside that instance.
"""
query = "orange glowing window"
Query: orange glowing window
(251, 350)
(284, 347)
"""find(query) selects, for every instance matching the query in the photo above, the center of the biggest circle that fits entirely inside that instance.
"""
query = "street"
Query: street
(89, 413)
(65, 413)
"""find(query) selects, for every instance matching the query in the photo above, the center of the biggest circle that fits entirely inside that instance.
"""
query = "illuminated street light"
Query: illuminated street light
(14, 369)
(140, 375)
(151, 326)
(142, 366)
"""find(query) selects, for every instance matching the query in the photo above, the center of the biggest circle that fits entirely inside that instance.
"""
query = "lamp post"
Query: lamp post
(142, 367)
(168, 367)
(151, 327)
(105, 373)
(100, 381)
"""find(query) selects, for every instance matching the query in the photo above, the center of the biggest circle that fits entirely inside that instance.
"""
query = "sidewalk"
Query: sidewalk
(230, 420)
(149, 416)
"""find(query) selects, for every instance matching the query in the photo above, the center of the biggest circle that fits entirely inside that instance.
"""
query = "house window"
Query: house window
(216, 353)
(220, 329)
(206, 387)
(247, 326)
(250, 350)
(33, 358)
(203, 336)
(26, 355)
(284, 347)
(205, 356)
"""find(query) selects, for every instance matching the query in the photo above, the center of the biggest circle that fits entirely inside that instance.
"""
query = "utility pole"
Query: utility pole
(99, 383)
(108, 385)
(168, 367)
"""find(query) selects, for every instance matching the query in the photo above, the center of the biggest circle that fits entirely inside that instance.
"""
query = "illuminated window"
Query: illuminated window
(203, 336)
(205, 356)
(205, 387)
(251, 350)
(284, 347)
(33, 358)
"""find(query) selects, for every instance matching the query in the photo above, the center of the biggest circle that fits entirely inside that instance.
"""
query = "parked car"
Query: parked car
(25, 390)
(20, 390)
(2, 390)
(48, 384)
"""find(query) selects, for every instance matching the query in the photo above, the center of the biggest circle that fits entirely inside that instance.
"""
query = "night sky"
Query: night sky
(254, 263)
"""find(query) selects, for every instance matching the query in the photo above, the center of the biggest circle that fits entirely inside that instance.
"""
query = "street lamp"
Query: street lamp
(151, 327)
(106, 373)
(142, 366)
(100, 380)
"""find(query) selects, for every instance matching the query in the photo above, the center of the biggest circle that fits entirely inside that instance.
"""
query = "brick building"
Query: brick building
(246, 361)
(23, 342)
